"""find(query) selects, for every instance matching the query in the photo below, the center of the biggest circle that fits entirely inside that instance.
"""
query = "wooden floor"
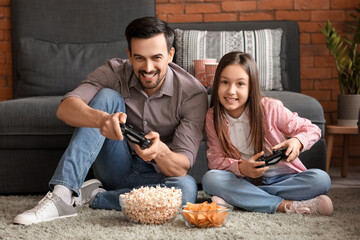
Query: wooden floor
(352, 180)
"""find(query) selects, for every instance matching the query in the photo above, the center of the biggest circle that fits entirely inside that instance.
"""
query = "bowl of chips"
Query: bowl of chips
(204, 215)
(151, 205)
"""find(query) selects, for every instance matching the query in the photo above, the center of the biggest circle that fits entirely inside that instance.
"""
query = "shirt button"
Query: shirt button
(145, 122)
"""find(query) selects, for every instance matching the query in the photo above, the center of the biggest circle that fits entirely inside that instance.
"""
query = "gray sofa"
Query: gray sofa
(56, 43)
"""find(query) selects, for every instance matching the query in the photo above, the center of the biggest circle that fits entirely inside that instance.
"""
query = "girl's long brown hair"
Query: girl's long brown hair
(253, 102)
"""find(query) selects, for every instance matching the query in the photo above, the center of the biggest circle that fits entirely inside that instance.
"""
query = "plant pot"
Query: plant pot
(348, 109)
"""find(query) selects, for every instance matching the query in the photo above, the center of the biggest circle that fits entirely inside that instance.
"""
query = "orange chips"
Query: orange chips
(205, 214)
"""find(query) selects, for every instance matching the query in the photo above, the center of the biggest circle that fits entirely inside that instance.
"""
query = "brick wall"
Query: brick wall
(5, 51)
(318, 74)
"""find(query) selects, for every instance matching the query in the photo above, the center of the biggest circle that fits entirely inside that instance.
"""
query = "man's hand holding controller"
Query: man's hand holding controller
(134, 136)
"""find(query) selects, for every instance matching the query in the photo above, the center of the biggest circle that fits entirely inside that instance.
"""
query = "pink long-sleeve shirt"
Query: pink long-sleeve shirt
(280, 124)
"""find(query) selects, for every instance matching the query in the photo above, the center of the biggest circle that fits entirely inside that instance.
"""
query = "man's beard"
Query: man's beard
(156, 84)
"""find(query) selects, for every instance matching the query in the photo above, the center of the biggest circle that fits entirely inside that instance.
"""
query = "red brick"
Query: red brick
(218, 17)
(5, 92)
(254, 16)
(328, 84)
(315, 73)
(304, 38)
(5, 2)
(306, 61)
(311, 4)
(332, 15)
(344, 4)
(175, 18)
(7, 12)
(335, 93)
(318, 95)
(2, 12)
(293, 15)
(170, 8)
(7, 35)
(348, 14)
(3, 81)
(314, 50)
(275, 4)
(5, 24)
(329, 106)
(310, 26)
(307, 84)
(317, 38)
(324, 61)
(233, 6)
(5, 69)
(202, 8)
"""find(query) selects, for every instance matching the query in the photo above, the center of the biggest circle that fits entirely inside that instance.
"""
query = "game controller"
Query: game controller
(272, 159)
(135, 136)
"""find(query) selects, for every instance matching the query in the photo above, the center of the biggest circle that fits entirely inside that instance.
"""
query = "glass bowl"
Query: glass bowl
(151, 208)
(208, 218)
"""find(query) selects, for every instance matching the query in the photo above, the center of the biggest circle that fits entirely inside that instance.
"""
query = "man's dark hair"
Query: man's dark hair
(148, 27)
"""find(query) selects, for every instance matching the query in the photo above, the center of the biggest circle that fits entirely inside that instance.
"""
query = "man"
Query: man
(147, 91)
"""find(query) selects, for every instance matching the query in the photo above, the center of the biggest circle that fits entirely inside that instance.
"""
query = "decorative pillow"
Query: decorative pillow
(264, 45)
(49, 68)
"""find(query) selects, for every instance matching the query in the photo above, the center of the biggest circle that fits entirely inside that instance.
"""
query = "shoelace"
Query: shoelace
(308, 206)
(43, 204)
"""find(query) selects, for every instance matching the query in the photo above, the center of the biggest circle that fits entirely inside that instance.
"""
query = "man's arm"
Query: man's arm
(75, 112)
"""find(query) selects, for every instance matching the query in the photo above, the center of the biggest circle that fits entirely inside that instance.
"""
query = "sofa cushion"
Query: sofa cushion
(32, 116)
(49, 68)
(264, 45)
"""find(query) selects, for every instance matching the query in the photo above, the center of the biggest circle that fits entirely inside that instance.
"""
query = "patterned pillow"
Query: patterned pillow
(264, 45)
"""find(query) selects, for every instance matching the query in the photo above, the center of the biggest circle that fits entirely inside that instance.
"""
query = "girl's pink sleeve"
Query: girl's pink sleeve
(291, 125)
(215, 153)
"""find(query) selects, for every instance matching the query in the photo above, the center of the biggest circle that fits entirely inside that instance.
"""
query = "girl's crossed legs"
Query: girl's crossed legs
(268, 197)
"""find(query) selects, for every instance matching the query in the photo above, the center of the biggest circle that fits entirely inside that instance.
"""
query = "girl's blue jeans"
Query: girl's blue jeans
(266, 197)
(118, 170)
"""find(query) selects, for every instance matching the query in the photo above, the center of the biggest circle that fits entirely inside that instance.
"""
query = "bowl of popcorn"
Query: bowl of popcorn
(151, 205)
(205, 215)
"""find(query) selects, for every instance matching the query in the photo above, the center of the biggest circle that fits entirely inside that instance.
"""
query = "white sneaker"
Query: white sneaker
(320, 205)
(49, 208)
(87, 191)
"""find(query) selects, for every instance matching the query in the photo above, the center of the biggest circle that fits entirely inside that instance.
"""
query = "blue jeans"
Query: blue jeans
(266, 197)
(114, 165)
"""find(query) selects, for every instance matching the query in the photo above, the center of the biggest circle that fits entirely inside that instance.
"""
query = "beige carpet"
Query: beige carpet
(102, 224)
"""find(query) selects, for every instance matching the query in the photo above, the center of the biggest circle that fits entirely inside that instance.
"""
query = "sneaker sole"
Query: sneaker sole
(328, 208)
(47, 220)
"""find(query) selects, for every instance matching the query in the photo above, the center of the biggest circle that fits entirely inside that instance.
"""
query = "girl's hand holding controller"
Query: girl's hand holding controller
(248, 167)
(294, 147)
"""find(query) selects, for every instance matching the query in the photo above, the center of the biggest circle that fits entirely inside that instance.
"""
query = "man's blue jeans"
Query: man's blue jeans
(113, 164)
(267, 197)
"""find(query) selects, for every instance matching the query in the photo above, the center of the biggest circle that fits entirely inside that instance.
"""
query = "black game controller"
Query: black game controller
(272, 159)
(134, 136)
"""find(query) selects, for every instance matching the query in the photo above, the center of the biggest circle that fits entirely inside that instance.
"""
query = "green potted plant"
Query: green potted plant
(345, 51)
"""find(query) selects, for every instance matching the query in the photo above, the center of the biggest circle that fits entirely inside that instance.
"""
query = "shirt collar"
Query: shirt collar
(244, 118)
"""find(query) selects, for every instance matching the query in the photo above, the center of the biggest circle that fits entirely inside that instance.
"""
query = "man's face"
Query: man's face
(150, 59)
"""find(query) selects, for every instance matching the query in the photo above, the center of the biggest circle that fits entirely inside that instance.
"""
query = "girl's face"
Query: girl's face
(234, 89)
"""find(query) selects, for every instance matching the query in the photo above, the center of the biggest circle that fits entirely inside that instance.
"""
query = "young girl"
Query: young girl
(241, 126)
